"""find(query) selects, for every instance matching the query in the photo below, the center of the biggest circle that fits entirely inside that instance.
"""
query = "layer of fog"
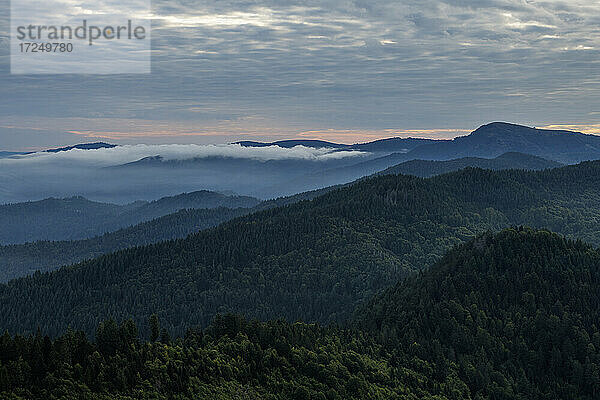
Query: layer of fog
(118, 175)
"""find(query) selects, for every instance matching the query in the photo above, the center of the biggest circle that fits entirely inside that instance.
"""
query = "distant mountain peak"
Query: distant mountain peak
(501, 124)
(522, 130)
(503, 127)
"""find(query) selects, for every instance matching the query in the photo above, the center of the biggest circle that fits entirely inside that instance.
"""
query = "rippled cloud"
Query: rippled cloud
(375, 66)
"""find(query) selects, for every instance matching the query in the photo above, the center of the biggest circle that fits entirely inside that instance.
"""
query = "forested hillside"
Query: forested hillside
(17, 261)
(315, 260)
(22, 260)
(427, 168)
(79, 218)
(55, 219)
(396, 164)
(25, 259)
(233, 359)
(512, 315)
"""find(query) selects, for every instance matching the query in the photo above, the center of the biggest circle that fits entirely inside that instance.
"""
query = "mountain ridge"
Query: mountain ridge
(82, 146)
(490, 141)
(18, 260)
(314, 260)
(510, 160)
(79, 218)
(156, 176)
(386, 145)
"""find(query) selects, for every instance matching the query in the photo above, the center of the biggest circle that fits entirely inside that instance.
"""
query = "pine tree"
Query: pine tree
(154, 327)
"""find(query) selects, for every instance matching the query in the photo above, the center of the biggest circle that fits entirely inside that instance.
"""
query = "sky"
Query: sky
(338, 70)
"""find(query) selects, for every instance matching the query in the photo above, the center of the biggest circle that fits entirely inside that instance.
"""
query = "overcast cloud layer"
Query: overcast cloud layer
(335, 69)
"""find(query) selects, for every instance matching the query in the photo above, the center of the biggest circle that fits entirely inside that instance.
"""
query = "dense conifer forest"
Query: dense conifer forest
(24, 259)
(315, 260)
(20, 260)
(512, 315)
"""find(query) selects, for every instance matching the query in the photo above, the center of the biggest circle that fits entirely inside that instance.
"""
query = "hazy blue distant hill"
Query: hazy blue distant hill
(427, 168)
(335, 176)
(83, 146)
(508, 145)
(498, 138)
(393, 145)
(488, 141)
(19, 260)
(389, 164)
(194, 200)
(254, 177)
(286, 171)
(5, 154)
(491, 141)
(55, 219)
(79, 218)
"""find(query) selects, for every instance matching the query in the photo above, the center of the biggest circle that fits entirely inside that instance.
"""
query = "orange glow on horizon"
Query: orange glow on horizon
(592, 129)
(123, 130)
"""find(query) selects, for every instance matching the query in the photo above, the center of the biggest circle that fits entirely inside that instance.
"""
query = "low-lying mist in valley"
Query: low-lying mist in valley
(145, 172)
